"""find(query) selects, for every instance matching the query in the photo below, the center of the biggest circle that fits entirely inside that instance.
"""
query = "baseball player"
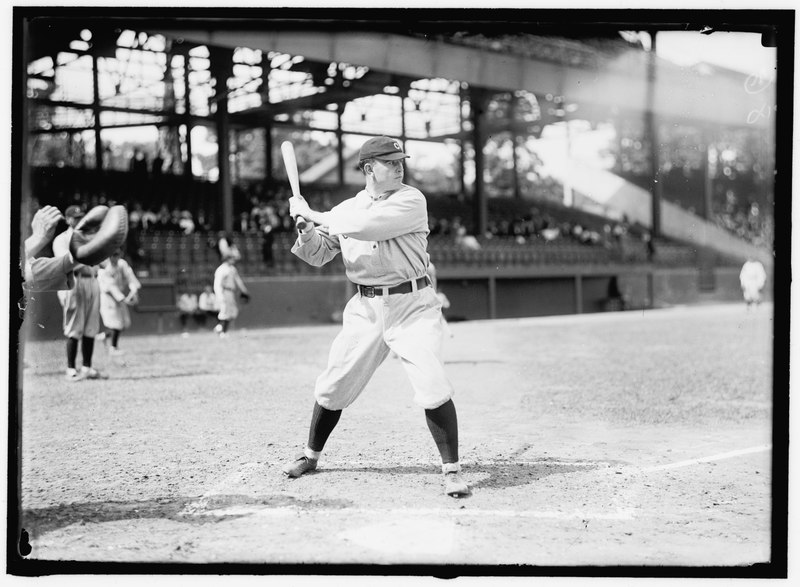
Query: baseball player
(228, 285)
(382, 236)
(41, 272)
(119, 288)
(81, 305)
(752, 278)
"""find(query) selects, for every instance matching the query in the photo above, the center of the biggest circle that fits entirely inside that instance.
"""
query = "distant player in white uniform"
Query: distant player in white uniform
(752, 278)
(119, 288)
(228, 287)
(382, 236)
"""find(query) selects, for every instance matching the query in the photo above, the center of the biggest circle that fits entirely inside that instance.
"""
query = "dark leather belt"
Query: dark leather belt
(370, 291)
(79, 273)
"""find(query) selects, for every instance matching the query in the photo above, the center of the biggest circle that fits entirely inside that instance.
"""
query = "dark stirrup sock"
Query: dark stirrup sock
(114, 338)
(443, 424)
(323, 421)
(87, 350)
(72, 352)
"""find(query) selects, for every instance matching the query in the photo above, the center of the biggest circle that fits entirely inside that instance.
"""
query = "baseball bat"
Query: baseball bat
(290, 162)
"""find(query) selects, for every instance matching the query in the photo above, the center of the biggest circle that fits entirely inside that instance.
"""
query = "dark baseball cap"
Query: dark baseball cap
(385, 148)
(74, 212)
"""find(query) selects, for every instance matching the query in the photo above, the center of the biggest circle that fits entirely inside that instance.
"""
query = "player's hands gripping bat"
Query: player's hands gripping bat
(290, 162)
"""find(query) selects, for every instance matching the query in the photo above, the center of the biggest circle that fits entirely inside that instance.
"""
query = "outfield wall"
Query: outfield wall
(474, 294)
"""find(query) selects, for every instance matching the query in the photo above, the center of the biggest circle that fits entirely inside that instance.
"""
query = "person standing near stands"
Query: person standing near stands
(187, 308)
(119, 289)
(207, 304)
(752, 278)
(228, 286)
(81, 306)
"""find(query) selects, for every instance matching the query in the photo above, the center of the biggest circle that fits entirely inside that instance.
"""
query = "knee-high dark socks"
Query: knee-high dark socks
(72, 352)
(323, 421)
(87, 350)
(443, 424)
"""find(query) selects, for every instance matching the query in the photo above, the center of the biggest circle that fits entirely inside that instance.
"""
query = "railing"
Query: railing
(192, 259)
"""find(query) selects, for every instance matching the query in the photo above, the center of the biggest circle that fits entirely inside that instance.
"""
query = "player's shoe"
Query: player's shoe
(218, 329)
(74, 374)
(92, 373)
(454, 485)
(299, 466)
(115, 351)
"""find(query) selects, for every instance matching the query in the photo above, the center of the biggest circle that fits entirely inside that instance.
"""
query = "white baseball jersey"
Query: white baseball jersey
(383, 242)
(227, 285)
(115, 283)
(752, 279)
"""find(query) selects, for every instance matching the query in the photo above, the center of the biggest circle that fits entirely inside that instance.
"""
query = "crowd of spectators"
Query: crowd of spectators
(747, 221)
(534, 226)
(266, 213)
(260, 214)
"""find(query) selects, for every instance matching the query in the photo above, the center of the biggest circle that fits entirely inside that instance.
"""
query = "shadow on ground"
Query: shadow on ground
(497, 475)
(494, 476)
(38, 522)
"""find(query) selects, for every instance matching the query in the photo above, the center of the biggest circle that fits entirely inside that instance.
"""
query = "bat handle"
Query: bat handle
(300, 222)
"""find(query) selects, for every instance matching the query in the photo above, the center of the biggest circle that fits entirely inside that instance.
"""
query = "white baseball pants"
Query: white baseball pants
(410, 324)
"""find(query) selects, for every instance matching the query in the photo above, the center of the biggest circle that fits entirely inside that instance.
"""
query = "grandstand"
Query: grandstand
(541, 215)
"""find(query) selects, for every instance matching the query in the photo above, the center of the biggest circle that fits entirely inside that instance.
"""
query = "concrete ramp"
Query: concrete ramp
(604, 192)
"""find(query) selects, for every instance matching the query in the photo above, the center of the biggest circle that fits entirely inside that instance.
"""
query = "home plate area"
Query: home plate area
(499, 489)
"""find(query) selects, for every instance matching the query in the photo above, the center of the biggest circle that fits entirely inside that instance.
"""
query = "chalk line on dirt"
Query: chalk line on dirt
(236, 476)
(284, 511)
(466, 465)
(709, 459)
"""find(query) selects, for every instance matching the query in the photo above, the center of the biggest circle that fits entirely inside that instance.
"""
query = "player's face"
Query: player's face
(388, 174)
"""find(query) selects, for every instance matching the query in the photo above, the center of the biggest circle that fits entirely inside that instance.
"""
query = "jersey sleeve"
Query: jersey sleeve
(401, 213)
(108, 285)
(218, 285)
(316, 246)
(49, 274)
(130, 277)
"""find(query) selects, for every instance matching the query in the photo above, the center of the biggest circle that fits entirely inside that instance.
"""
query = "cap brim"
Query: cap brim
(391, 156)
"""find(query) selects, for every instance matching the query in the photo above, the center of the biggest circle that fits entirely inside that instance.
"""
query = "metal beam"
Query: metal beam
(621, 83)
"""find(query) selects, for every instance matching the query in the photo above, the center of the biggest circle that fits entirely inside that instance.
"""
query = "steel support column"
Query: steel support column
(221, 70)
(479, 205)
(98, 137)
(187, 122)
(652, 136)
(224, 190)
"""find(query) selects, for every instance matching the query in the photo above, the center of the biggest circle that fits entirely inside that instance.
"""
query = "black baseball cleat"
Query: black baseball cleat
(299, 466)
(454, 485)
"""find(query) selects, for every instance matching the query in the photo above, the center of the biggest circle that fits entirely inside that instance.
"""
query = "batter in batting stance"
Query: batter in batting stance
(382, 235)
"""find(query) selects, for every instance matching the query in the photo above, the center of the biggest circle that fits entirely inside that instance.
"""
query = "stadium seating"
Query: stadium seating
(192, 259)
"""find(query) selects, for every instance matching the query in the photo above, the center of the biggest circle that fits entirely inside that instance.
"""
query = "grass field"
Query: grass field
(633, 439)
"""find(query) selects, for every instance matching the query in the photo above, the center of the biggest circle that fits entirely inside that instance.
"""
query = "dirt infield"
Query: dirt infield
(639, 438)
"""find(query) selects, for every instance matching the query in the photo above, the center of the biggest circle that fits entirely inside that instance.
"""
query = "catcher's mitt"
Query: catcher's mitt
(98, 234)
